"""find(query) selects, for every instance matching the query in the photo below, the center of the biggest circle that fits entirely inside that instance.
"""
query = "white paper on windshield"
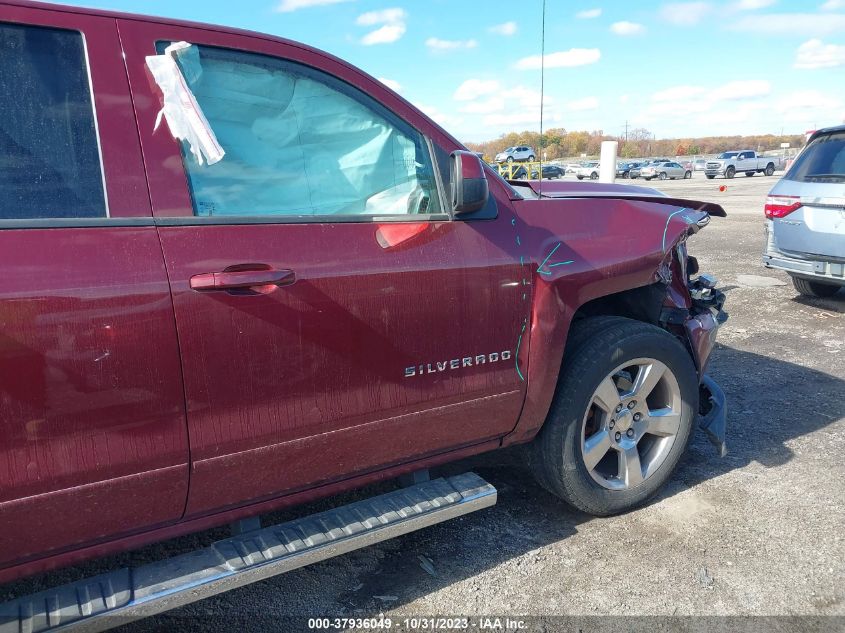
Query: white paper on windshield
(184, 115)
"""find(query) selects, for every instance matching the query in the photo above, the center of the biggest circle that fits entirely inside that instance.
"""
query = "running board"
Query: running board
(115, 598)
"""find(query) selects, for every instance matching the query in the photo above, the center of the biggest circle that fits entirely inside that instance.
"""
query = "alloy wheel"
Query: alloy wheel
(631, 424)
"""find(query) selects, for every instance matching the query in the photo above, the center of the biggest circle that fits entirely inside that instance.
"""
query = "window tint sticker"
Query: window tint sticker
(184, 115)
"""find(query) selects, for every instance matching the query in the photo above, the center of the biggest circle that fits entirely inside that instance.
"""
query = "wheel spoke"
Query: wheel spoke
(607, 395)
(663, 422)
(647, 378)
(596, 447)
(630, 470)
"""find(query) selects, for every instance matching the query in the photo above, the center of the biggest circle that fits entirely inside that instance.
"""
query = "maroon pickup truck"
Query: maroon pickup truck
(239, 274)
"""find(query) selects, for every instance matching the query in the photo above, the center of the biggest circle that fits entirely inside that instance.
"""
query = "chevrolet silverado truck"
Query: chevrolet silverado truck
(728, 164)
(239, 274)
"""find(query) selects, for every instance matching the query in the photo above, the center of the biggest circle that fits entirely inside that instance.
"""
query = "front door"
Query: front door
(333, 318)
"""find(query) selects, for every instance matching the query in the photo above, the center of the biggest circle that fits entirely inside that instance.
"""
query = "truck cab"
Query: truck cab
(240, 273)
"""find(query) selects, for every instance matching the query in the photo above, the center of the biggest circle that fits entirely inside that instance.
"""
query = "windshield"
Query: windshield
(728, 155)
(823, 160)
(509, 149)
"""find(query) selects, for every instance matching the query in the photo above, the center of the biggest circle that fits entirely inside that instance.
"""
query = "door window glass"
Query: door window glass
(299, 142)
(49, 156)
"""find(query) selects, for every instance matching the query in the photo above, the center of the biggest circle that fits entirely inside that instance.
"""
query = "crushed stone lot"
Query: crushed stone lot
(759, 532)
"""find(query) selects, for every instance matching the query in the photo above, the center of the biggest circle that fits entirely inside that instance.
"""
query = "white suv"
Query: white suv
(518, 153)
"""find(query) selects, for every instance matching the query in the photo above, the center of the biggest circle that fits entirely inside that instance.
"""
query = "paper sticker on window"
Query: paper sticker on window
(184, 115)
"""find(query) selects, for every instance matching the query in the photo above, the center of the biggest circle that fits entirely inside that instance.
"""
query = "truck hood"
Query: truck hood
(546, 189)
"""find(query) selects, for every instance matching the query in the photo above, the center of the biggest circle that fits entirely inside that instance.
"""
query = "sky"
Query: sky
(678, 69)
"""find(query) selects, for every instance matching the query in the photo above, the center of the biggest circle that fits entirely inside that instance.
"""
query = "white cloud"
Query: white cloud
(678, 93)
(474, 88)
(753, 5)
(436, 44)
(807, 100)
(385, 16)
(588, 14)
(446, 120)
(587, 103)
(525, 97)
(384, 35)
(286, 6)
(391, 83)
(833, 5)
(808, 24)
(484, 106)
(393, 21)
(627, 28)
(562, 59)
(623, 99)
(816, 54)
(685, 13)
(740, 90)
(506, 28)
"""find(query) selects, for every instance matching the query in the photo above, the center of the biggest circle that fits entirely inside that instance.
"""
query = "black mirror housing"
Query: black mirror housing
(470, 189)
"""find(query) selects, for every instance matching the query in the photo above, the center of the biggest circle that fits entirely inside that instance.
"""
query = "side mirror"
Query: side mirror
(469, 183)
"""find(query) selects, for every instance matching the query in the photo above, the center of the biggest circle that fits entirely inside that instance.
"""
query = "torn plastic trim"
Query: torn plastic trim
(180, 108)
(713, 413)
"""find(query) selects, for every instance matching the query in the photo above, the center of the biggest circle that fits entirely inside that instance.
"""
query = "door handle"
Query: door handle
(235, 279)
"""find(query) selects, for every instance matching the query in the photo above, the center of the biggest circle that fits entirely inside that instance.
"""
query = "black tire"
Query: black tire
(730, 172)
(532, 158)
(647, 178)
(687, 175)
(594, 176)
(510, 159)
(770, 169)
(663, 175)
(580, 177)
(596, 346)
(814, 288)
(710, 177)
(748, 174)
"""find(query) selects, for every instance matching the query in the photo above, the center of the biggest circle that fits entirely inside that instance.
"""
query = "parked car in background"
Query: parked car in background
(699, 164)
(805, 217)
(549, 172)
(588, 170)
(519, 153)
(636, 171)
(665, 170)
(623, 170)
(572, 167)
(728, 164)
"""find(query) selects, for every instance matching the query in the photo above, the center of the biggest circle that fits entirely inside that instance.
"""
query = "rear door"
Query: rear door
(93, 441)
(369, 328)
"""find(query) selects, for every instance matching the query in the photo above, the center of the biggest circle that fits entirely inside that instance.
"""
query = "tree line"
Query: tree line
(559, 143)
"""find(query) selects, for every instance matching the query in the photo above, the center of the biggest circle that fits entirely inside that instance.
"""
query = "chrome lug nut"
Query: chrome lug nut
(630, 433)
(632, 404)
(638, 417)
(612, 423)
(618, 436)
(618, 408)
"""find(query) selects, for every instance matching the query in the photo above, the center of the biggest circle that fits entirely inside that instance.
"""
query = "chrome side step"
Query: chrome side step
(115, 598)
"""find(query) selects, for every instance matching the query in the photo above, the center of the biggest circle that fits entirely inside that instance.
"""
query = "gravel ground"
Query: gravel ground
(759, 532)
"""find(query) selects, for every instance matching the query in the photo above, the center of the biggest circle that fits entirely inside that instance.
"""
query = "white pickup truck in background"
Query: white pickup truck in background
(728, 164)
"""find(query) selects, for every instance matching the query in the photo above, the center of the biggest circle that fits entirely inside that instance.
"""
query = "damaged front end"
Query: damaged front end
(693, 310)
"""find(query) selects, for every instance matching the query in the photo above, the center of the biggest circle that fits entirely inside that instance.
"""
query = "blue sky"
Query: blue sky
(679, 69)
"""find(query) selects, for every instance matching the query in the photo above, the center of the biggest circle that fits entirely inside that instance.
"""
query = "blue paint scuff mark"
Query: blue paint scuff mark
(548, 257)
(666, 228)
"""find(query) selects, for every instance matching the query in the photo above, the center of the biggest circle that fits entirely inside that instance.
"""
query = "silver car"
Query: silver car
(805, 211)
(518, 153)
(663, 170)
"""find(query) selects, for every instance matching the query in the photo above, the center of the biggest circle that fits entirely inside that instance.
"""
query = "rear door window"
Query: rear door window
(823, 160)
(50, 163)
